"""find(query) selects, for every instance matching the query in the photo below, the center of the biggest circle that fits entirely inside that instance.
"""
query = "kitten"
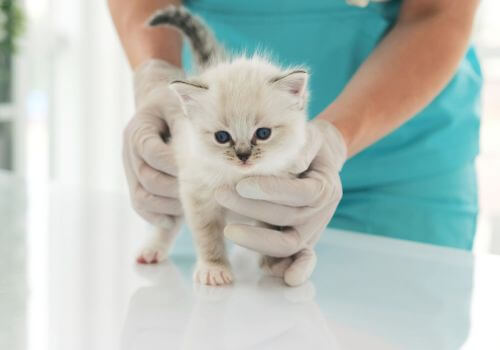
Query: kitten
(242, 116)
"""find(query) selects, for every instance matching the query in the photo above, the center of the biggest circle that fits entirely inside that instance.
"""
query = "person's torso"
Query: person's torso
(333, 39)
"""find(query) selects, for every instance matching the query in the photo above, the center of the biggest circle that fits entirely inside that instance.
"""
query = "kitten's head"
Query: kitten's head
(247, 114)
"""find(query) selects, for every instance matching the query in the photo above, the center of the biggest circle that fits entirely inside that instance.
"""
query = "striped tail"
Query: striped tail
(202, 40)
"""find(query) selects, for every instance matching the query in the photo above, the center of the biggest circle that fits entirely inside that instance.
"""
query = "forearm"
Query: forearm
(139, 41)
(406, 71)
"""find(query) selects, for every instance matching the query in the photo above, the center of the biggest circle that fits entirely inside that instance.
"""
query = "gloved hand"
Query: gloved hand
(148, 158)
(299, 208)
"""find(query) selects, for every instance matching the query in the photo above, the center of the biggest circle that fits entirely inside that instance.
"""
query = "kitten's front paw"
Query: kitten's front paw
(152, 254)
(213, 274)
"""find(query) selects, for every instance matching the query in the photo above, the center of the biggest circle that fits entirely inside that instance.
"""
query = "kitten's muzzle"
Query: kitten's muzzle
(243, 156)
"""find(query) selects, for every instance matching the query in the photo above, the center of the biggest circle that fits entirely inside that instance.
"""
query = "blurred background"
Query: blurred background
(65, 97)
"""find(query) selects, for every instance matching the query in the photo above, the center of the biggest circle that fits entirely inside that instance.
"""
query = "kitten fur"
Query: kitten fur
(201, 39)
(237, 94)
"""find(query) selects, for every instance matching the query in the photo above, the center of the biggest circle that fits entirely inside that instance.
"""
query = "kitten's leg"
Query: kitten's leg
(157, 249)
(206, 221)
(274, 266)
(303, 261)
(213, 266)
(270, 265)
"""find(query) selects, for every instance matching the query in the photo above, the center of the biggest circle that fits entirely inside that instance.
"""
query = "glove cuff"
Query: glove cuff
(152, 73)
(335, 139)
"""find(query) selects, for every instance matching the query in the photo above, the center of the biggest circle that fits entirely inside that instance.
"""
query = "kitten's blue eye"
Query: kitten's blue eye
(222, 136)
(263, 133)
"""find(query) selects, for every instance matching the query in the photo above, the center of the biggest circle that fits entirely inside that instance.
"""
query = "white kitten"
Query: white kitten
(243, 116)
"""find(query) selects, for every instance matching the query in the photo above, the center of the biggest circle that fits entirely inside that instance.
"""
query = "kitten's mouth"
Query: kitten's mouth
(245, 164)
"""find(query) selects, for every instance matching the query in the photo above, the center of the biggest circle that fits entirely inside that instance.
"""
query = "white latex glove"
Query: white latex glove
(148, 160)
(300, 208)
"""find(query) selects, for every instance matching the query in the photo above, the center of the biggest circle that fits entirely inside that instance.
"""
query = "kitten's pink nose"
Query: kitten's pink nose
(243, 156)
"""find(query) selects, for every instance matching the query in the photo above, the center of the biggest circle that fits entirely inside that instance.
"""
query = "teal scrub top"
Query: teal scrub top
(333, 39)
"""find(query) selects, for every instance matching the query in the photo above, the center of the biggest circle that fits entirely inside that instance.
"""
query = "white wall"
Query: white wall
(90, 95)
(487, 38)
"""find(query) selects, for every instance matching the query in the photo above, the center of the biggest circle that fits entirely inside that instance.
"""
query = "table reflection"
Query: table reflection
(68, 281)
(252, 314)
(357, 299)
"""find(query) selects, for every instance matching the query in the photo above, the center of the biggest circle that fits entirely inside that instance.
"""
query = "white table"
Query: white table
(68, 281)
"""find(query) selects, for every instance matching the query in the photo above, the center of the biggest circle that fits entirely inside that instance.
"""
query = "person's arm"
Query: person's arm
(411, 65)
(149, 162)
(139, 41)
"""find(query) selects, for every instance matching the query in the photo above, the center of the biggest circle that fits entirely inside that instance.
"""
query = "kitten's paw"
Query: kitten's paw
(274, 266)
(213, 274)
(152, 254)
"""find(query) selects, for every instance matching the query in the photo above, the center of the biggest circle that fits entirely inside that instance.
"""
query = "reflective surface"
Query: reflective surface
(68, 281)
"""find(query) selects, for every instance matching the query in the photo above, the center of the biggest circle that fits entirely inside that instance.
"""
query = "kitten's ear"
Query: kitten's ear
(187, 91)
(295, 83)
